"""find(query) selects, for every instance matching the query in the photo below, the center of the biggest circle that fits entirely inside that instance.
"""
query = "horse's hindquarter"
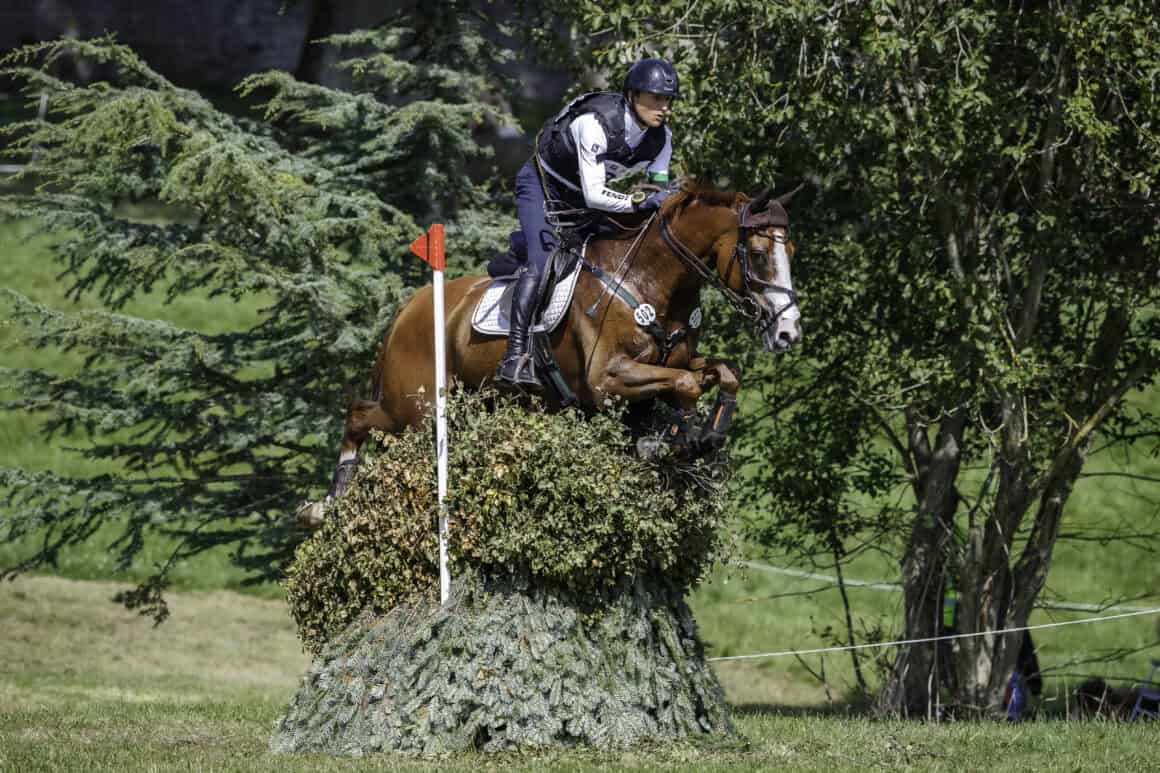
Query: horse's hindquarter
(472, 357)
(407, 365)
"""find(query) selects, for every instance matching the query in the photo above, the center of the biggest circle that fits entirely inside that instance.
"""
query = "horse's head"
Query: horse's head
(742, 247)
(756, 267)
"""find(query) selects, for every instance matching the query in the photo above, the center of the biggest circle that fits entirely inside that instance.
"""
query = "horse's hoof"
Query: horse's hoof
(711, 442)
(651, 447)
(311, 515)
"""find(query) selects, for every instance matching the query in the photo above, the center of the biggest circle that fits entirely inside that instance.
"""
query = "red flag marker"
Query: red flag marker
(429, 247)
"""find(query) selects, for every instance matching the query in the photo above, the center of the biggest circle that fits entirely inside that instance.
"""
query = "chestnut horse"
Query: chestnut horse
(698, 237)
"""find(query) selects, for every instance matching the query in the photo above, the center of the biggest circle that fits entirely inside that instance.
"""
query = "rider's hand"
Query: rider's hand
(651, 202)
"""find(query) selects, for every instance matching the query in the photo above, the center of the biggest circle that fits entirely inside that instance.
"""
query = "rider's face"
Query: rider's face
(652, 109)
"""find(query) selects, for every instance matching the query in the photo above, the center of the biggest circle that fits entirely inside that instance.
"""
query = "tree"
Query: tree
(982, 285)
(306, 211)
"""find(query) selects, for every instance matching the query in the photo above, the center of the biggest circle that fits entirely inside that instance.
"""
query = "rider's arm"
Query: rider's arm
(591, 142)
(658, 170)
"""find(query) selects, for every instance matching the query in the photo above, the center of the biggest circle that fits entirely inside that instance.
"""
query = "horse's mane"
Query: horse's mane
(693, 189)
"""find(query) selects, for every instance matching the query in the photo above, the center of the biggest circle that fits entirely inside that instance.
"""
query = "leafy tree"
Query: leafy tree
(303, 210)
(978, 271)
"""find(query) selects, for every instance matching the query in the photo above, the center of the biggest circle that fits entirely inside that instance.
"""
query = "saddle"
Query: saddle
(492, 314)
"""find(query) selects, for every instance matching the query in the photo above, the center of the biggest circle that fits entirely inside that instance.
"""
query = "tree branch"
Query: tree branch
(919, 446)
(1033, 293)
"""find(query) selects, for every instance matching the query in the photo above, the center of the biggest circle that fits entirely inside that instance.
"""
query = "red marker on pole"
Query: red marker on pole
(430, 247)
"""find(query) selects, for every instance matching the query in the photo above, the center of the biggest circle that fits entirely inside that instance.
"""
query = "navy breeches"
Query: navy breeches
(541, 235)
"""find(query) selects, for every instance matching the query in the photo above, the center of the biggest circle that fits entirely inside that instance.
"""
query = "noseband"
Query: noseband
(747, 223)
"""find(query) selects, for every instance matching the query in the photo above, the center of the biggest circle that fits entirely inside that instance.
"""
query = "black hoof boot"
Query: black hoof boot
(518, 364)
(684, 432)
(720, 419)
(342, 476)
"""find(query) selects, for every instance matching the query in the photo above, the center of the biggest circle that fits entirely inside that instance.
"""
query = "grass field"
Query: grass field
(85, 685)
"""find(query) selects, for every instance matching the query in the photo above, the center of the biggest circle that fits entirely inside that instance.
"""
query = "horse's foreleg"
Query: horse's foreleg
(363, 416)
(636, 381)
(727, 378)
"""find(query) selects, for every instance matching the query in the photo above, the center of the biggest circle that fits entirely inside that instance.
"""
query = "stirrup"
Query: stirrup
(519, 370)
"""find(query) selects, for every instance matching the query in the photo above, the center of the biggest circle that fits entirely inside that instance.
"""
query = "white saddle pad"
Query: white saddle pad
(488, 320)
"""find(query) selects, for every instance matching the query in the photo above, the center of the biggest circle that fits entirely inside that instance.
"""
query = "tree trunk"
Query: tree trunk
(998, 591)
(912, 689)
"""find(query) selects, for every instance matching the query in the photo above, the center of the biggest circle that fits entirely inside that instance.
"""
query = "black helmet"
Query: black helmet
(655, 75)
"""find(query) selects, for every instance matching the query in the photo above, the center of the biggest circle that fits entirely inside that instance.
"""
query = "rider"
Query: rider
(595, 138)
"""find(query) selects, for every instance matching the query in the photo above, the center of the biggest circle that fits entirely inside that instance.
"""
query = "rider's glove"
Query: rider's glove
(651, 202)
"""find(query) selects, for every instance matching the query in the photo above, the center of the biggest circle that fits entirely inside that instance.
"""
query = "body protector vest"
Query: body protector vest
(556, 148)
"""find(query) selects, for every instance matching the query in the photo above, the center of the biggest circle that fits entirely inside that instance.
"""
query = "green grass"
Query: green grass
(87, 686)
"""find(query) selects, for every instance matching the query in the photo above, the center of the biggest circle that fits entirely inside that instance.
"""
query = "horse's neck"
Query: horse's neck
(700, 229)
(654, 269)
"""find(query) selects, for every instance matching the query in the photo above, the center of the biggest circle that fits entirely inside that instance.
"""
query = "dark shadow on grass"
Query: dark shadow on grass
(788, 710)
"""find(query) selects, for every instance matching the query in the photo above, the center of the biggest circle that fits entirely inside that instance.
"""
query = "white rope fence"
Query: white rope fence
(949, 637)
(1075, 606)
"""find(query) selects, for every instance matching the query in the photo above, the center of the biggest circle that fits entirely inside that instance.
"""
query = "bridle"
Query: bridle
(748, 222)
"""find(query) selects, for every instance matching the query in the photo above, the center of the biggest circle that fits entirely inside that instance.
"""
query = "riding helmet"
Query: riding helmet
(655, 75)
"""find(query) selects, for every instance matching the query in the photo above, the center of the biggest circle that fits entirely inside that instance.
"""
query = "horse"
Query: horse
(630, 332)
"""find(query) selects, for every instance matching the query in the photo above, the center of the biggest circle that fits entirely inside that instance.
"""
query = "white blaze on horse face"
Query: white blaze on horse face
(788, 321)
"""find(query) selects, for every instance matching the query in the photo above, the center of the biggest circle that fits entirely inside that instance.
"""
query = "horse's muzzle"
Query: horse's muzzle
(781, 337)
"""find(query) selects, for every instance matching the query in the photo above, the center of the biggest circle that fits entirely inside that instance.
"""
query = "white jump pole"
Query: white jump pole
(430, 248)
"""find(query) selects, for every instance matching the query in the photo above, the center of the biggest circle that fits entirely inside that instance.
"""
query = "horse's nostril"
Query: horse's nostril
(785, 336)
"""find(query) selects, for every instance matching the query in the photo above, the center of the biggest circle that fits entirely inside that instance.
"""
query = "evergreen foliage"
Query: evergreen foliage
(306, 213)
(507, 666)
(555, 501)
(976, 267)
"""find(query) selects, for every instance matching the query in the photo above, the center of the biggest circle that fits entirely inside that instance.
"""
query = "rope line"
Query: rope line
(1075, 606)
(876, 645)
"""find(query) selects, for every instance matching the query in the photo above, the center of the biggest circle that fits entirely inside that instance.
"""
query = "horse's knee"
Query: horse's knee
(687, 387)
(365, 415)
(727, 379)
(724, 374)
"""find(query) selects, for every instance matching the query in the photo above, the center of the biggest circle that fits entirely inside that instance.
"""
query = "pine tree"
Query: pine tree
(305, 206)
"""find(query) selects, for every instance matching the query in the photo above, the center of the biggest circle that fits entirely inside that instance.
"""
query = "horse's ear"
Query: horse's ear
(762, 211)
(784, 198)
(759, 203)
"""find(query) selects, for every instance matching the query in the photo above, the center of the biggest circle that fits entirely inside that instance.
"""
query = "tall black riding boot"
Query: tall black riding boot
(518, 366)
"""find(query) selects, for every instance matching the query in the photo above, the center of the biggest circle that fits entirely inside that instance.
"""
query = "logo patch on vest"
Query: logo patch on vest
(644, 314)
(695, 318)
